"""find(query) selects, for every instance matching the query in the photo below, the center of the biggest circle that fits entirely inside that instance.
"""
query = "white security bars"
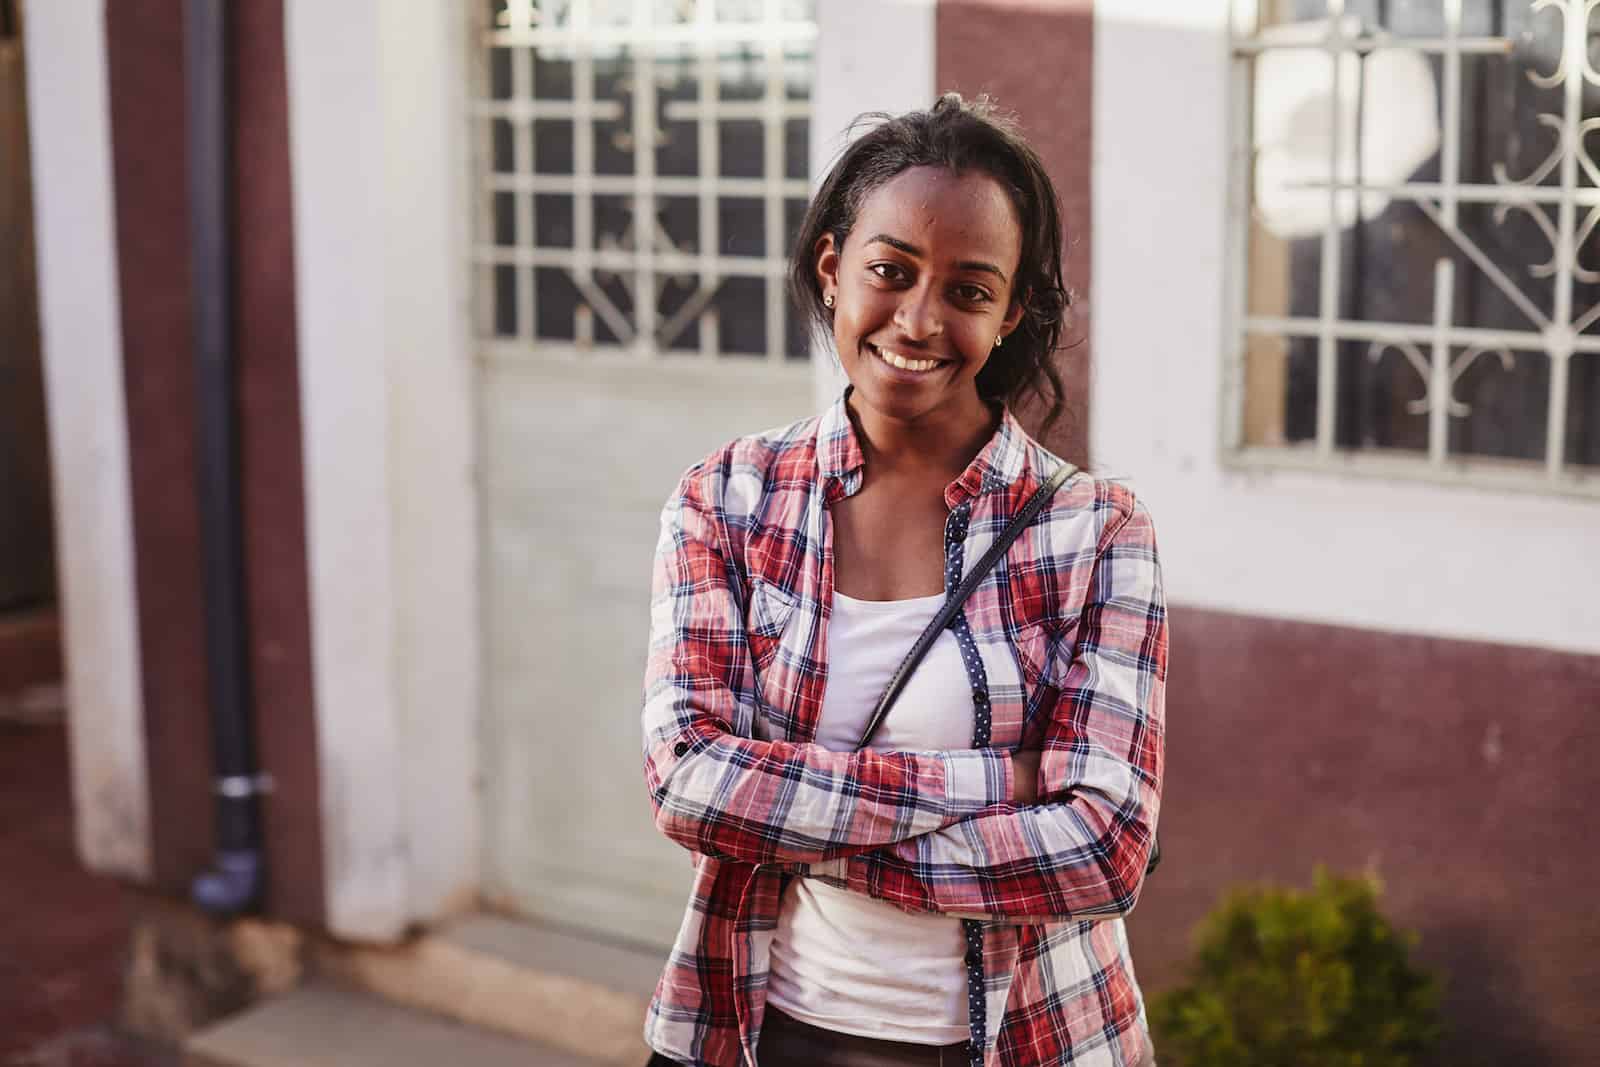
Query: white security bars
(1414, 193)
(642, 169)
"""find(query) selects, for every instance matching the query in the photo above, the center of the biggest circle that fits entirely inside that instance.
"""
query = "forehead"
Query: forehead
(948, 216)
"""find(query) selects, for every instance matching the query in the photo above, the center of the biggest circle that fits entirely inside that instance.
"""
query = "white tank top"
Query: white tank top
(842, 960)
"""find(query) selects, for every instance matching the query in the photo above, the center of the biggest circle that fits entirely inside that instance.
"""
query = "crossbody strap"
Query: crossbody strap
(953, 603)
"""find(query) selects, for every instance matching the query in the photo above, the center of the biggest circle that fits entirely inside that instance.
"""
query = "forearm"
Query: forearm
(757, 801)
(1049, 863)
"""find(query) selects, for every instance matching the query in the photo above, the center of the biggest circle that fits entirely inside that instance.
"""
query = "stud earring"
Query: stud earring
(827, 301)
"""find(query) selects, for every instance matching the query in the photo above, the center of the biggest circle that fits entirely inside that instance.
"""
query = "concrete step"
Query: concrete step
(321, 1025)
(538, 983)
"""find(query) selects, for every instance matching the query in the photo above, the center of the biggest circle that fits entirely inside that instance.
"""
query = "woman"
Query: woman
(953, 893)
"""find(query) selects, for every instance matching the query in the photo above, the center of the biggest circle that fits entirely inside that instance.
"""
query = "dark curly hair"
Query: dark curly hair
(961, 136)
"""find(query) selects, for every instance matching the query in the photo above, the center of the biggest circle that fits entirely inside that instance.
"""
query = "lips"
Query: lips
(906, 364)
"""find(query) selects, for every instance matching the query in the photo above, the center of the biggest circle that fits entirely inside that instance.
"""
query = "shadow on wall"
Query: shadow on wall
(1486, 982)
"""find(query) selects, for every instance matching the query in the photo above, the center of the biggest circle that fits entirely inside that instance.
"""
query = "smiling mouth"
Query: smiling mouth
(900, 362)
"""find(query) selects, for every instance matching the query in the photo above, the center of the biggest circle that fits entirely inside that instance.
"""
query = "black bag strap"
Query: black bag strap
(953, 603)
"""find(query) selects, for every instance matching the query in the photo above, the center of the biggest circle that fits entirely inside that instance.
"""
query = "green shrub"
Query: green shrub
(1288, 978)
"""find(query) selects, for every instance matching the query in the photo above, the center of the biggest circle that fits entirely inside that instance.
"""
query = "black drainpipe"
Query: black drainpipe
(233, 884)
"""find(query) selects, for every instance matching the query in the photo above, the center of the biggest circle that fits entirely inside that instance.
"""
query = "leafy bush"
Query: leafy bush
(1289, 978)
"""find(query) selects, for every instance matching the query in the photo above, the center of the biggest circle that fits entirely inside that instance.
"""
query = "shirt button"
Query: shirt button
(680, 749)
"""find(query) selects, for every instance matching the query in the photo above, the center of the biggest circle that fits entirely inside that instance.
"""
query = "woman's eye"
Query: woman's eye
(889, 272)
(972, 294)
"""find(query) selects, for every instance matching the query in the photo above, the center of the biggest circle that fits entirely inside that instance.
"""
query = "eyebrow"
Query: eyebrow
(912, 250)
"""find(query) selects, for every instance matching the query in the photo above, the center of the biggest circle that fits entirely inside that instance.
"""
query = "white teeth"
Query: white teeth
(895, 359)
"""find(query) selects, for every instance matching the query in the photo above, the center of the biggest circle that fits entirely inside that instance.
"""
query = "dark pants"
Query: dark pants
(788, 1042)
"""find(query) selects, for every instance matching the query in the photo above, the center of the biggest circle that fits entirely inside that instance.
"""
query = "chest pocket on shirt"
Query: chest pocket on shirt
(1035, 641)
(770, 610)
(1044, 650)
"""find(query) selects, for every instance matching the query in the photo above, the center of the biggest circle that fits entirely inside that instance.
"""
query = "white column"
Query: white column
(70, 120)
(377, 126)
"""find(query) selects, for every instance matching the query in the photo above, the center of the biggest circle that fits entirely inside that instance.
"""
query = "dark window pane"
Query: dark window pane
(1508, 400)
(505, 219)
(615, 288)
(678, 295)
(501, 142)
(613, 146)
(741, 306)
(678, 153)
(552, 146)
(679, 216)
(557, 300)
(499, 74)
(552, 78)
(1300, 411)
(552, 220)
(505, 301)
(796, 148)
(742, 148)
(613, 222)
(1583, 410)
(741, 226)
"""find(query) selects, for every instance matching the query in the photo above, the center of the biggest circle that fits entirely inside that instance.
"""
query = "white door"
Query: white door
(641, 168)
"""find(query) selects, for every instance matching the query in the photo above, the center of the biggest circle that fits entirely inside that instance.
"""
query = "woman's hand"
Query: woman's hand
(1025, 777)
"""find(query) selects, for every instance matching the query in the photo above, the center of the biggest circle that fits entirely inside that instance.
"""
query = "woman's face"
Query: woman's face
(921, 289)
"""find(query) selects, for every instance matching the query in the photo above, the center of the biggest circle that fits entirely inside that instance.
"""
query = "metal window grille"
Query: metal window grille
(642, 169)
(1440, 319)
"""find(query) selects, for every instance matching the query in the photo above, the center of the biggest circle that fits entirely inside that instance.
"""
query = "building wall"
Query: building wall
(1370, 674)
(70, 125)
(145, 46)
(376, 99)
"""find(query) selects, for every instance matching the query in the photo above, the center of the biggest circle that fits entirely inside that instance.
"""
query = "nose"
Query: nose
(918, 315)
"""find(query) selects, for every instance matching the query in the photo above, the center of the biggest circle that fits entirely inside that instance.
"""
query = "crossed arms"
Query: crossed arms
(936, 832)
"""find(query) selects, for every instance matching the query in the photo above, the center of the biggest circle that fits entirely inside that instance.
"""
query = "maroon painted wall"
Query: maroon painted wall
(1037, 59)
(145, 46)
(1464, 774)
(272, 466)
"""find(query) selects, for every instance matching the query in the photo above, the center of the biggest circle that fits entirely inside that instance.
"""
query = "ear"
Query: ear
(1013, 317)
(826, 255)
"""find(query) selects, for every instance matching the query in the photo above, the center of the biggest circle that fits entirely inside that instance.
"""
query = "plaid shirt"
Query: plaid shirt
(1070, 638)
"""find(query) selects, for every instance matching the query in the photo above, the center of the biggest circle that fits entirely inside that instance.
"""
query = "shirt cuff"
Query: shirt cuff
(976, 779)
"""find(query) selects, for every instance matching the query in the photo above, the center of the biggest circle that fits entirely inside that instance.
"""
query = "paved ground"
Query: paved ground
(62, 931)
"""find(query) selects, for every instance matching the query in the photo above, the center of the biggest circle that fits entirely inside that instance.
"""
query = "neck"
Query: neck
(942, 443)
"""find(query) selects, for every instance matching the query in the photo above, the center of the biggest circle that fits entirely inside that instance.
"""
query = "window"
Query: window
(1415, 239)
(643, 168)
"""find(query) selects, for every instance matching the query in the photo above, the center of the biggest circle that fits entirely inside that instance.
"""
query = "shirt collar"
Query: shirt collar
(840, 461)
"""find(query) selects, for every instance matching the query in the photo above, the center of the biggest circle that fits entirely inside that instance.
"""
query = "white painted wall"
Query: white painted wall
(70, 129)
(578, 459)
(374, 93)
(859, 44)
(1515, 569)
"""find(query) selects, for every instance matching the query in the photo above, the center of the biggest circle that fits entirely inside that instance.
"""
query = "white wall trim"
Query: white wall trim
(70, 128)
(855, 39)
(336, 160)
(1510, 568)
(376, 92)
(432, 443)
